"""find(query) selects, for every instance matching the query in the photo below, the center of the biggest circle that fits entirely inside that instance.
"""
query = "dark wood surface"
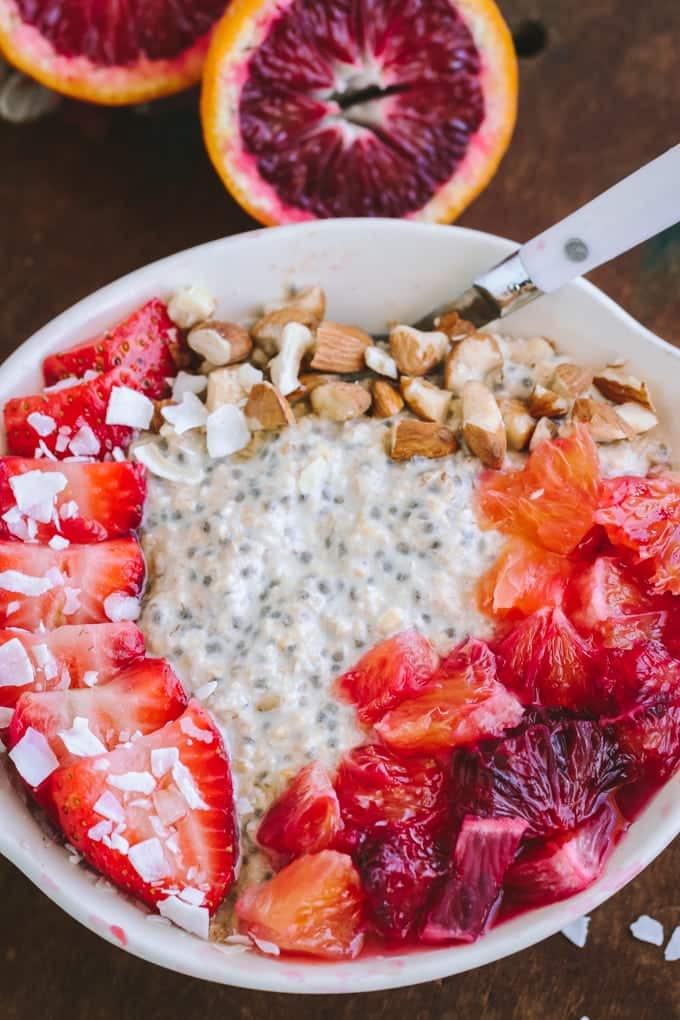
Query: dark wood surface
(87, 195)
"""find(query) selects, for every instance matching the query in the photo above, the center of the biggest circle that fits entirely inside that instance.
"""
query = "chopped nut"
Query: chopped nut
(340, 401)
(258, 358)
(545, 429)
(157, 419)
(222, 343)
(412, 438)
(531, 350)
(296, 340)
(386, 400)
(455, 415)
(483, 428)
(638, 417)
(306, 307)
(191, 305)
(340, 348)
(474, 358)
(455, 327)
(519, 425)
(378, 360)
(545, 403)
(231, 385)
(571, 380)
(266, 408)
(617, 385)
(425, 400)
(604, 423)
(416, 352)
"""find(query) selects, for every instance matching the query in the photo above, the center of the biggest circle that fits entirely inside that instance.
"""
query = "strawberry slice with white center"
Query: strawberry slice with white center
(156, 817)
(70, 656)
(98, 583)
(143, 344)
(79, 723)
(76, 502)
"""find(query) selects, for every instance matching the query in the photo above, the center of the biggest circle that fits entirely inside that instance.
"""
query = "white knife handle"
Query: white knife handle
(635, 209)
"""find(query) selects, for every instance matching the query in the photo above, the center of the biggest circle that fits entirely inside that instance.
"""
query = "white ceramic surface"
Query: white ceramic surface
(372, 271)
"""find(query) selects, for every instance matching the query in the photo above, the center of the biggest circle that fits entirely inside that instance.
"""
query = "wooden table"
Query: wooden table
(88, 195)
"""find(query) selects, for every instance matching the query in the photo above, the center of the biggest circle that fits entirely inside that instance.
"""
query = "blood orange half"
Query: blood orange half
(108, 51)
(322, 108)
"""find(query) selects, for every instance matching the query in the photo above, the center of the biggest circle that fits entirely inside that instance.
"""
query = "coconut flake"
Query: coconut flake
(6, 715)
(63, 384)
(184, 382)
(296, 340)
(110, 807)
(150, 456)
(193, 919)
(46, 661)
(128, 407)
(312, 476)
(188, 726)
(12, 607)
(16, 669)
(80, 740)
(227, 431)
(191, 413)
(99, 831)
(42, 450)
(148, 860)
(119, 606)
(672, 950)
(71, 601)
(90, 677)
(205, 690)
(68, 510)
(196, 897)
(43, 424)
(25, 584)
(84, 443)
(117, 842)
(133, 782)
(33, 758)
(170, 805)
(118, 454)
(191, 305)
(58, 542)
(35, 492)
(162, 760)
(647, 929)
(577, 931)
(17, 524)
(187, 787)
(270, 948)
(61, 442)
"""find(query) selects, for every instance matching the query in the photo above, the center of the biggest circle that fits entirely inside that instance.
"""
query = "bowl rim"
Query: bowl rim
(163, 945)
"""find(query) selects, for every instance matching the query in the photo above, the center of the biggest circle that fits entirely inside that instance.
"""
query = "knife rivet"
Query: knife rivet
(576, 250)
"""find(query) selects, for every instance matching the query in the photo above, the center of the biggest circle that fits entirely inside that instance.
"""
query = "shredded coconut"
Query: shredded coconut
(84, 443)
(16, 669)
(43, 424)
(128, 407)
(577, 931)
(25, 584)
(187, 787)
(33, 758)
(80, 740)
(148, 860)
(194, 919)
(119, 606)
(133, 782)
(191, 413)
(672, 950)
(110, 807)
(647, 929)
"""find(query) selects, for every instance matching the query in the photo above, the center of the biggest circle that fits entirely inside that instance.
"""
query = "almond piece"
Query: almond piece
(231, 385)
(519, 425)
(378, 360)
(386, 400)
(603, 421)
(545, 429)
(483, 428)
(531, 350)
(571, 380)
(308, 382)
(455, 327)
(474, 358)
(638, 417)
(340, 401)
(416, 352)
(266, 408)
(222, 343)
(296, 340)
(544, 403)
(340, 348)
(424, 399)
(617, 385)
(306, 307)
(412, 438)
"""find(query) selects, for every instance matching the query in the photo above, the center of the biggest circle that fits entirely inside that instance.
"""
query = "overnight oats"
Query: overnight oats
(314, 642)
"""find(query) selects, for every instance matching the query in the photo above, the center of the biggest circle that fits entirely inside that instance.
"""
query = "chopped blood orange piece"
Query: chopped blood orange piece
(524, 579)
(645, 674)
(611, 603)
(305, 818)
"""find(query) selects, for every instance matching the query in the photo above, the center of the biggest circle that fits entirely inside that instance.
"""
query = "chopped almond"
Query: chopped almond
(378, 360)
(340, 348)
(416, 352)
(545, 429)
(519, 424)
(483, 428)
(617, 385)
(309, 381)
(532, 350)
(306, 307)
(412, 438)
(571, 380)
(424, 399)
(222, 343)
(386, 400)
(544, 403)
(604, 423)
(475, 358)
(340, 401)
(231, 385)
(266, 408)
(638, 417)
(455, 327)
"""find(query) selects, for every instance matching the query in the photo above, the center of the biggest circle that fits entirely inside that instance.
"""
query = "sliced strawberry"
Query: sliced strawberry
(80, 723)
(156, 816)
(609, 601)
(642, 517)
(554, 774)
(142, 344)
(485, 849)
(71, 656)
(645, 674)
(524, 579)
(378, 791)
(81, 584)
(462, 703)
(398, 872)
(552, 500)
(313, 906)
(547, 662)
(388, 673)
(67, 422)
(553, 869)
(305, 818)
(93, 502)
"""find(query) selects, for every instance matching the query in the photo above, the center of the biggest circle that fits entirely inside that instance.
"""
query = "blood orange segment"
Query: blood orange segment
(611, 603)
(109, 53)
(357, 109)
(524, 579)
(305, 818)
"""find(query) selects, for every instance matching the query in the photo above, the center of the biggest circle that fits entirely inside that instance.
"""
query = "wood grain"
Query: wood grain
(90, 194)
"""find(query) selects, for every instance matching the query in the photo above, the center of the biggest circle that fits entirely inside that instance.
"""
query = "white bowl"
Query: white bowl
(372, 270)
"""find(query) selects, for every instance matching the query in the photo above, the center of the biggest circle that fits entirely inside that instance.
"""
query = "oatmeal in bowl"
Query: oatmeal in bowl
(298, 618)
